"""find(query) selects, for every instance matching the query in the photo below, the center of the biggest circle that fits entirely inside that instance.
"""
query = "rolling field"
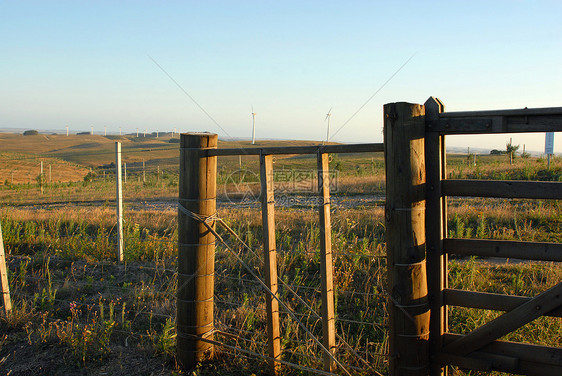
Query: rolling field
(77, 311)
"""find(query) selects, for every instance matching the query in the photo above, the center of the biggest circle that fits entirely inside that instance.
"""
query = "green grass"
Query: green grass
(358, 238)
(73, 300)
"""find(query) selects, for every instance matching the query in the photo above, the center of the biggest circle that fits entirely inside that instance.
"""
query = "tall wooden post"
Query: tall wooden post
(119, 199)
(436, 229)
(404, 131)
(270, 260)
(326, 265)
(196, 248)
(4, 278)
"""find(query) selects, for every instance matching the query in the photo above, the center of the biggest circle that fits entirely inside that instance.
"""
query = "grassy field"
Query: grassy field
(78, 312)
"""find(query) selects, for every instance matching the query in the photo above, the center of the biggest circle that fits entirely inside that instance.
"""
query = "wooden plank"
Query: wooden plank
(545, 111)
(525, 352)
(404, 130)
(196, 249)
(539, 251)
(270, 260)
(434, 235)
(444, 220)
(444, 359)
(498, 121)
(501, 364)
(4, 285)
(480, 361)
(502, 189)
(326, 265)
(508, 322)
(315, 149)
(485, 300)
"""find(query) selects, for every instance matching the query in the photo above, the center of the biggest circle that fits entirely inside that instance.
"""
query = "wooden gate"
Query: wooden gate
(417, 246)
(196, 246)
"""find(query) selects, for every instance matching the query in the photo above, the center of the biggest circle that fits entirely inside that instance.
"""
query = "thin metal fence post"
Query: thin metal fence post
(41, 178)
(119, 196)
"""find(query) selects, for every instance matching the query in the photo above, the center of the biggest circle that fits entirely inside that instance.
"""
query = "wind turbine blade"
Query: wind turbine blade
(328, 114)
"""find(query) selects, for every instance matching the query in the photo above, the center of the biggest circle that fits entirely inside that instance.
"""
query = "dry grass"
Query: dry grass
(23, 169)
(80, 244)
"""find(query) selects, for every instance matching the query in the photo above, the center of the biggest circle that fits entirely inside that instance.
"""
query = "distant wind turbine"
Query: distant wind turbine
(253, 126)
(328, 115)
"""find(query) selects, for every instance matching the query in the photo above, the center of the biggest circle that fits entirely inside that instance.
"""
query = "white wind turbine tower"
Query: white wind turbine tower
(253, 126)
(328, 115)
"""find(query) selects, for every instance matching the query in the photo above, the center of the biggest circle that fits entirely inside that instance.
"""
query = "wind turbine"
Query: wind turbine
(253, 126)
(328, 115)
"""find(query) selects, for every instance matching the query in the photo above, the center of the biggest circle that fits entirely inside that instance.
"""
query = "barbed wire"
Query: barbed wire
(164, 288)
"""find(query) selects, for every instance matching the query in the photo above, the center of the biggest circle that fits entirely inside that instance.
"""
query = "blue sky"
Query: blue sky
(86, 63)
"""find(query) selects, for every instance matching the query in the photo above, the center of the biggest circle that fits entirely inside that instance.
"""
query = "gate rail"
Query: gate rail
(197, 237)
(480, 349)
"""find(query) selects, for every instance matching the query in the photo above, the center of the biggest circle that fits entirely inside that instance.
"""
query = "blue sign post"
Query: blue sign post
(549, 147)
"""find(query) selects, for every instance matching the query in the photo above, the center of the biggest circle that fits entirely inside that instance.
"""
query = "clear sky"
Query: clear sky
(87, 63)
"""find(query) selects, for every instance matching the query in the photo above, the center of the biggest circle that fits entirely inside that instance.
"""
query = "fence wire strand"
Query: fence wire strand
(150, 175)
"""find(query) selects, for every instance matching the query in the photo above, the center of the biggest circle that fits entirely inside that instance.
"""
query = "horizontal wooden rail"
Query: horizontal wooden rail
(513, 112)
(502, 188)
(538, 251)
(523, 314)
(479, 361)
(531, 359)
(498, 121)
(344, 148)
(485, 300)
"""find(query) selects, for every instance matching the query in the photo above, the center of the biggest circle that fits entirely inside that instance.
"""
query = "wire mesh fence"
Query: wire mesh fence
(60, 235)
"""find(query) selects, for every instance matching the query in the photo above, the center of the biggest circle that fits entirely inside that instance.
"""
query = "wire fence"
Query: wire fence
(61, 246)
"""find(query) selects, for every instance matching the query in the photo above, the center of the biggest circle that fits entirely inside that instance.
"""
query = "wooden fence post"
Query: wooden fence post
(436, 229)
(4, 278)
(196, 248)
(326, 265)
(270, 260)
(404, 132)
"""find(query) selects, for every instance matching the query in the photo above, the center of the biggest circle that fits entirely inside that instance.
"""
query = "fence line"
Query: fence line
(199, 152)
(88, 274)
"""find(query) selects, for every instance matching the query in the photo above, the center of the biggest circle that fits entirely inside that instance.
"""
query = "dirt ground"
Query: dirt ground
(19, 358)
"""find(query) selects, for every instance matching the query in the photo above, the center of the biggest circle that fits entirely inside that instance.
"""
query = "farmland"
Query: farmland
(80, 312)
